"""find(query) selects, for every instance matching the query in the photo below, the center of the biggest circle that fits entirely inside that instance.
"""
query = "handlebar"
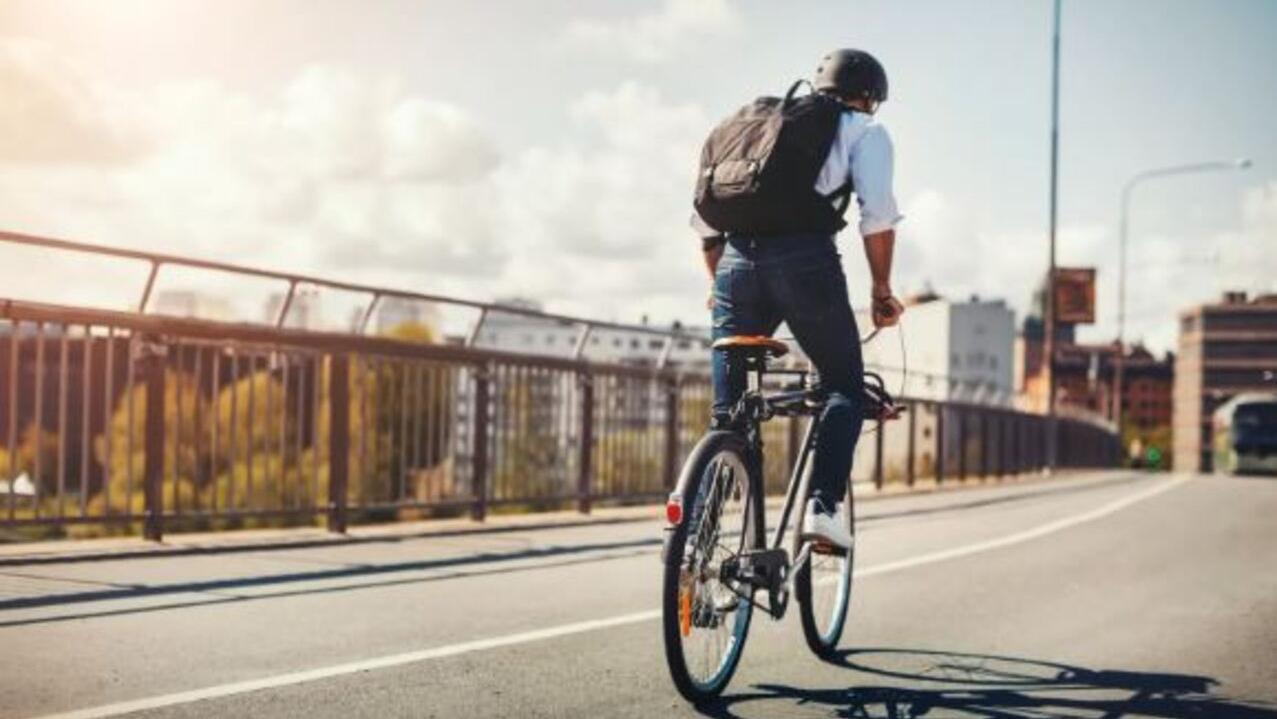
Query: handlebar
(801, 400)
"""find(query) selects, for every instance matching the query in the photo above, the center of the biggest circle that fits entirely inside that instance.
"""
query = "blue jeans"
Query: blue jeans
(799, 281)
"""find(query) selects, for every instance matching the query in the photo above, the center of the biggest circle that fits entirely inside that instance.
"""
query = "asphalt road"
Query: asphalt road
(1109, 596)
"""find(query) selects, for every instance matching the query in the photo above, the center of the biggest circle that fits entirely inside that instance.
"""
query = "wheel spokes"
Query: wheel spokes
(711, 619)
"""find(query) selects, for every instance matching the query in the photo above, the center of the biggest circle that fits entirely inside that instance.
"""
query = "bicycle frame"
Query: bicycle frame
(799, 479)
(753, 409)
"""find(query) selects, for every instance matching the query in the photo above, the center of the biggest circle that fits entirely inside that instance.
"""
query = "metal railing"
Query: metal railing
(111, 421)
(157, 261)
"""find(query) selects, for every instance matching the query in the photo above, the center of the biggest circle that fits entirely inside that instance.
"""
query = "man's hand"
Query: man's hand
(886, 308)
(878, 250)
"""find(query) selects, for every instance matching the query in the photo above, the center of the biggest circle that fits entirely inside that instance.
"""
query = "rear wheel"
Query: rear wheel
(705, 615)
(823, 588)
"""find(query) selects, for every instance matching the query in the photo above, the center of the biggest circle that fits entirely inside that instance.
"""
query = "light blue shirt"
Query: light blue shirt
(862, 150)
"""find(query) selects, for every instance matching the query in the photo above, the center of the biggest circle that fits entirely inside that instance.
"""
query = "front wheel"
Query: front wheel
(823, 589)
(706, 614)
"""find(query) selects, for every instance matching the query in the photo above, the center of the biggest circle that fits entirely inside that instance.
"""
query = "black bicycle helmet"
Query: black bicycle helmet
(852, 74)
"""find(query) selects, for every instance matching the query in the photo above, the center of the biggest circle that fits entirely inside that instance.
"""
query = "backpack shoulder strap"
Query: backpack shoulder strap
(793, 89)
(841, 197)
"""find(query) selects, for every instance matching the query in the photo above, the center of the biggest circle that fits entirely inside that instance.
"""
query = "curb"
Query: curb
(247, 540)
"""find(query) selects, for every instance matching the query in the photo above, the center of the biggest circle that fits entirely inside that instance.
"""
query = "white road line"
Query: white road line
(393, 660)
(1029, 534)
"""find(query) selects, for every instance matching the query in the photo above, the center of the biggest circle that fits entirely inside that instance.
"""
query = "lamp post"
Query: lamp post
(1049, 344)
(1119, 367)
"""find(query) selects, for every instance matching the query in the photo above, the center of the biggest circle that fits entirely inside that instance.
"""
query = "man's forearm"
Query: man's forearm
(878, 250)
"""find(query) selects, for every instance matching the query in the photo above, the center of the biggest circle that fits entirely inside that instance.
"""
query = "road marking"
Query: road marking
(451, 650)
(1029, 534)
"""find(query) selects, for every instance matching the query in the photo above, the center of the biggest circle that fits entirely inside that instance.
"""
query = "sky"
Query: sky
(547, 149)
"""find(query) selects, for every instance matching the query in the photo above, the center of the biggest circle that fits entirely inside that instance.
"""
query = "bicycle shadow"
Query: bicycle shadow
(950, 684)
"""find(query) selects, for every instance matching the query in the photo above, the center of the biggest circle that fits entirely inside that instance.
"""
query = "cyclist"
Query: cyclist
(763, 278)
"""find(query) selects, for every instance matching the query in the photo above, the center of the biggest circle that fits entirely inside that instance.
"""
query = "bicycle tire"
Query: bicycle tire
(682, 596)
(824, 621)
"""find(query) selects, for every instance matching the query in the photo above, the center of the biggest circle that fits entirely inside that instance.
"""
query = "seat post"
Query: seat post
(755, 365)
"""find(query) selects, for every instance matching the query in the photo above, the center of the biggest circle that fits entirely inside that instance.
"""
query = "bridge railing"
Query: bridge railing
(121, 420)
(115, 421)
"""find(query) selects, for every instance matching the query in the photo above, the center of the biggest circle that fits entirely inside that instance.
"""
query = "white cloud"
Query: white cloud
(1250, 261)
(942, 245)
(1170, 272)
(656, 36)
(335, 173)
(599, 223)
(352, 177)
(53, 114)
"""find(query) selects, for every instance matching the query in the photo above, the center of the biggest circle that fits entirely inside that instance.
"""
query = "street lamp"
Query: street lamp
(1049, 304)
(1119, 365)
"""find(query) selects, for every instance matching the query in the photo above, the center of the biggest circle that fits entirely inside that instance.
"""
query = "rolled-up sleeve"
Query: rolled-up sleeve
(872, 159)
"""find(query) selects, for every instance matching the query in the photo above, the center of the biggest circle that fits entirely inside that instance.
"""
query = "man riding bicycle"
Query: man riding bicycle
(768, 240)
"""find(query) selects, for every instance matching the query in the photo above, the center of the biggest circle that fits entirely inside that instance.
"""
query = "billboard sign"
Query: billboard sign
(1075, 295)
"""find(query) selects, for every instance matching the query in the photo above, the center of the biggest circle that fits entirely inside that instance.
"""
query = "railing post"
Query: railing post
(1016, 448)
(962, 444)
(479, 443)
(153, 365)
(1002, 421)
(910, 469)
(985, 444)
(878, 454)
(939, 442)
(585, 463)
(1038, 443)
(671, 433)
(338, 442)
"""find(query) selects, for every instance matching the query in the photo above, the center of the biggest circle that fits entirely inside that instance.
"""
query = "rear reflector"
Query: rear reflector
(674, 510)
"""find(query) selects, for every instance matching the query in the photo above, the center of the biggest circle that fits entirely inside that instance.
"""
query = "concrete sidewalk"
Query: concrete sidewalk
(57, 551)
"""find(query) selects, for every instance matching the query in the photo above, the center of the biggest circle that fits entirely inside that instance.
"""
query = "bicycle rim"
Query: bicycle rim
(824, 590)
(707, 620)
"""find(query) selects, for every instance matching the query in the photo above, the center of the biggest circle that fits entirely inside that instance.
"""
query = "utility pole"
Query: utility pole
(1049, 320)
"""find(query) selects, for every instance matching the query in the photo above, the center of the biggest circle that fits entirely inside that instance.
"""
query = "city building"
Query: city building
(525, 334)
(193, 304)
(1085, 374)
(396, 312)
(1225, 349)
(1085, 377)
(303, 314)
(957, 351)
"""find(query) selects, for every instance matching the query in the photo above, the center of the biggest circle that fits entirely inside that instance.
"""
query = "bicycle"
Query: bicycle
(715, 554)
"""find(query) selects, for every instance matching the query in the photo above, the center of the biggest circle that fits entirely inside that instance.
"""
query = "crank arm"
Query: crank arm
(804, 555)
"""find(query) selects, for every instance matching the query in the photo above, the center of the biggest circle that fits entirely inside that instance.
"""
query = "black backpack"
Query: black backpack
(759, 168)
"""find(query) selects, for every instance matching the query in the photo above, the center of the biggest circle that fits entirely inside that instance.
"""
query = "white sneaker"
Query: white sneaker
(820, 525)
